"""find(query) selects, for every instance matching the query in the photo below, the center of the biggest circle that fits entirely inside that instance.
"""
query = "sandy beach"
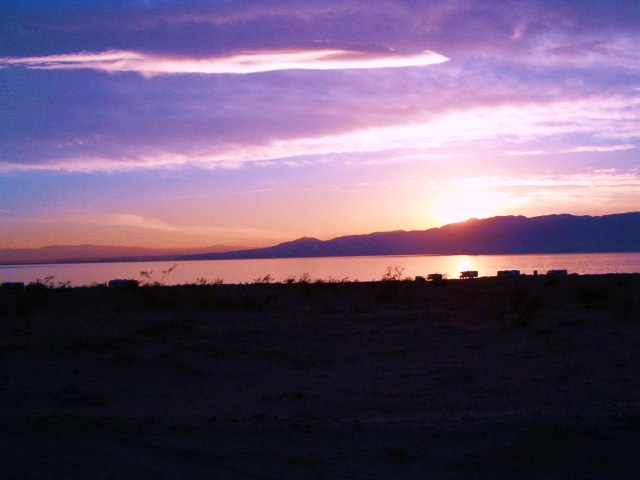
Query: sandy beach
(525, 377)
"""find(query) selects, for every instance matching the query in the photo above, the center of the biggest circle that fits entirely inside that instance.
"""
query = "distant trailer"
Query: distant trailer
(469, 274)
(508, 273)
(420, 278)
(123, 283)
(435, 277)
(557, 273)
(13, 285)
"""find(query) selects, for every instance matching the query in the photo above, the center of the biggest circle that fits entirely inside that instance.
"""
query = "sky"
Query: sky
(166, 123)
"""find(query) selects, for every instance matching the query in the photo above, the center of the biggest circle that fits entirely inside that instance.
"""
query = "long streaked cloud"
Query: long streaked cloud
(239, 63)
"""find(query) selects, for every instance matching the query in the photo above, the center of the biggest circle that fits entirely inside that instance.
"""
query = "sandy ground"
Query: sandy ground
(488, 378)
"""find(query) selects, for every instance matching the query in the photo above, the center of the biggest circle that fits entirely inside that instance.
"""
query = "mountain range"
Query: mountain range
(99, 253)
(497, 235)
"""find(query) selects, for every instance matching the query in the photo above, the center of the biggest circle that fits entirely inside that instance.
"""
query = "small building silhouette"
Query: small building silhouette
(508, 273)
(557, 273)
(469, 274)
(123, 283)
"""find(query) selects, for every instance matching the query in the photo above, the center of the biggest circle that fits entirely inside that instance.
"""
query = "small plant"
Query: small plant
(66, 284)
(46, 282)
(150, 280)
(266, 279)
(204, 282)
(291, 279)
(394, 274)
(339, 280)
(304, 278)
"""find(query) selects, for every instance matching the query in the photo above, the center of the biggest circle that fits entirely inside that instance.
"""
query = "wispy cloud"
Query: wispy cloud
(149, 65)
(139, 221)
(421, 134)
(577, 149)
(68, 226)
(561, 50)
(600, 178)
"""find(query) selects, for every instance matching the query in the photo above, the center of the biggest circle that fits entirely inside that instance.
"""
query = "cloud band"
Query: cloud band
(112, 61)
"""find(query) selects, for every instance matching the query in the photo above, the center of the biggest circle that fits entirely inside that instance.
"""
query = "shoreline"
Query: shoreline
(326, 269)
(182, 258)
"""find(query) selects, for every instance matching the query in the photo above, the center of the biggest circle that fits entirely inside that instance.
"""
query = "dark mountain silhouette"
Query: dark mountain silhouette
(497, 235)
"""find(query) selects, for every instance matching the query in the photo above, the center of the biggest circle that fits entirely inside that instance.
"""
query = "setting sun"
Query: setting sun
(462, 206)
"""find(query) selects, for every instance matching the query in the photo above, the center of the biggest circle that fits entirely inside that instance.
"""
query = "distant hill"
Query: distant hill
(99, 253)
(496, 235)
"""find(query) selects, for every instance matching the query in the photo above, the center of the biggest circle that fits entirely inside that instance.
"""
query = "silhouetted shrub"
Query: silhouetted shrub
(394, 274)
(150, 280)
(42, 283)
(266, 279)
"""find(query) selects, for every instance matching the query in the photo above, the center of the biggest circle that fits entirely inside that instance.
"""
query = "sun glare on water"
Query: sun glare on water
(462, 206)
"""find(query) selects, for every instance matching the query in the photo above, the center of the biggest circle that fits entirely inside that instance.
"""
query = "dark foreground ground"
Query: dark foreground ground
(488, 378)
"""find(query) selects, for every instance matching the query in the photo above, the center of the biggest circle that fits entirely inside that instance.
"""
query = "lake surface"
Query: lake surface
(353, 268)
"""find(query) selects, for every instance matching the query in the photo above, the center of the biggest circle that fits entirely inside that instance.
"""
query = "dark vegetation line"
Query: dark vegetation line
(392, 274)
(515, 301)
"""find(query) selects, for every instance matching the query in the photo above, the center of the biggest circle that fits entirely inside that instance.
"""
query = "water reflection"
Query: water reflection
(463, 263)
(354, 268)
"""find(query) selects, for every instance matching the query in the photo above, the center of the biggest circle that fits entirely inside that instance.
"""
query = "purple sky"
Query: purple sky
(191, 123)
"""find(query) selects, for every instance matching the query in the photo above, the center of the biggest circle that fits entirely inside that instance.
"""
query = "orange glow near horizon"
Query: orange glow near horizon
(463, 263)
(458, 207)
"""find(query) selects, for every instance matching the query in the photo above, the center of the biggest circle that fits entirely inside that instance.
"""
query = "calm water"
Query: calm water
(355, 268)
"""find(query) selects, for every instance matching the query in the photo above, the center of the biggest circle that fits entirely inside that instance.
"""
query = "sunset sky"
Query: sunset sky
(166, 123)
